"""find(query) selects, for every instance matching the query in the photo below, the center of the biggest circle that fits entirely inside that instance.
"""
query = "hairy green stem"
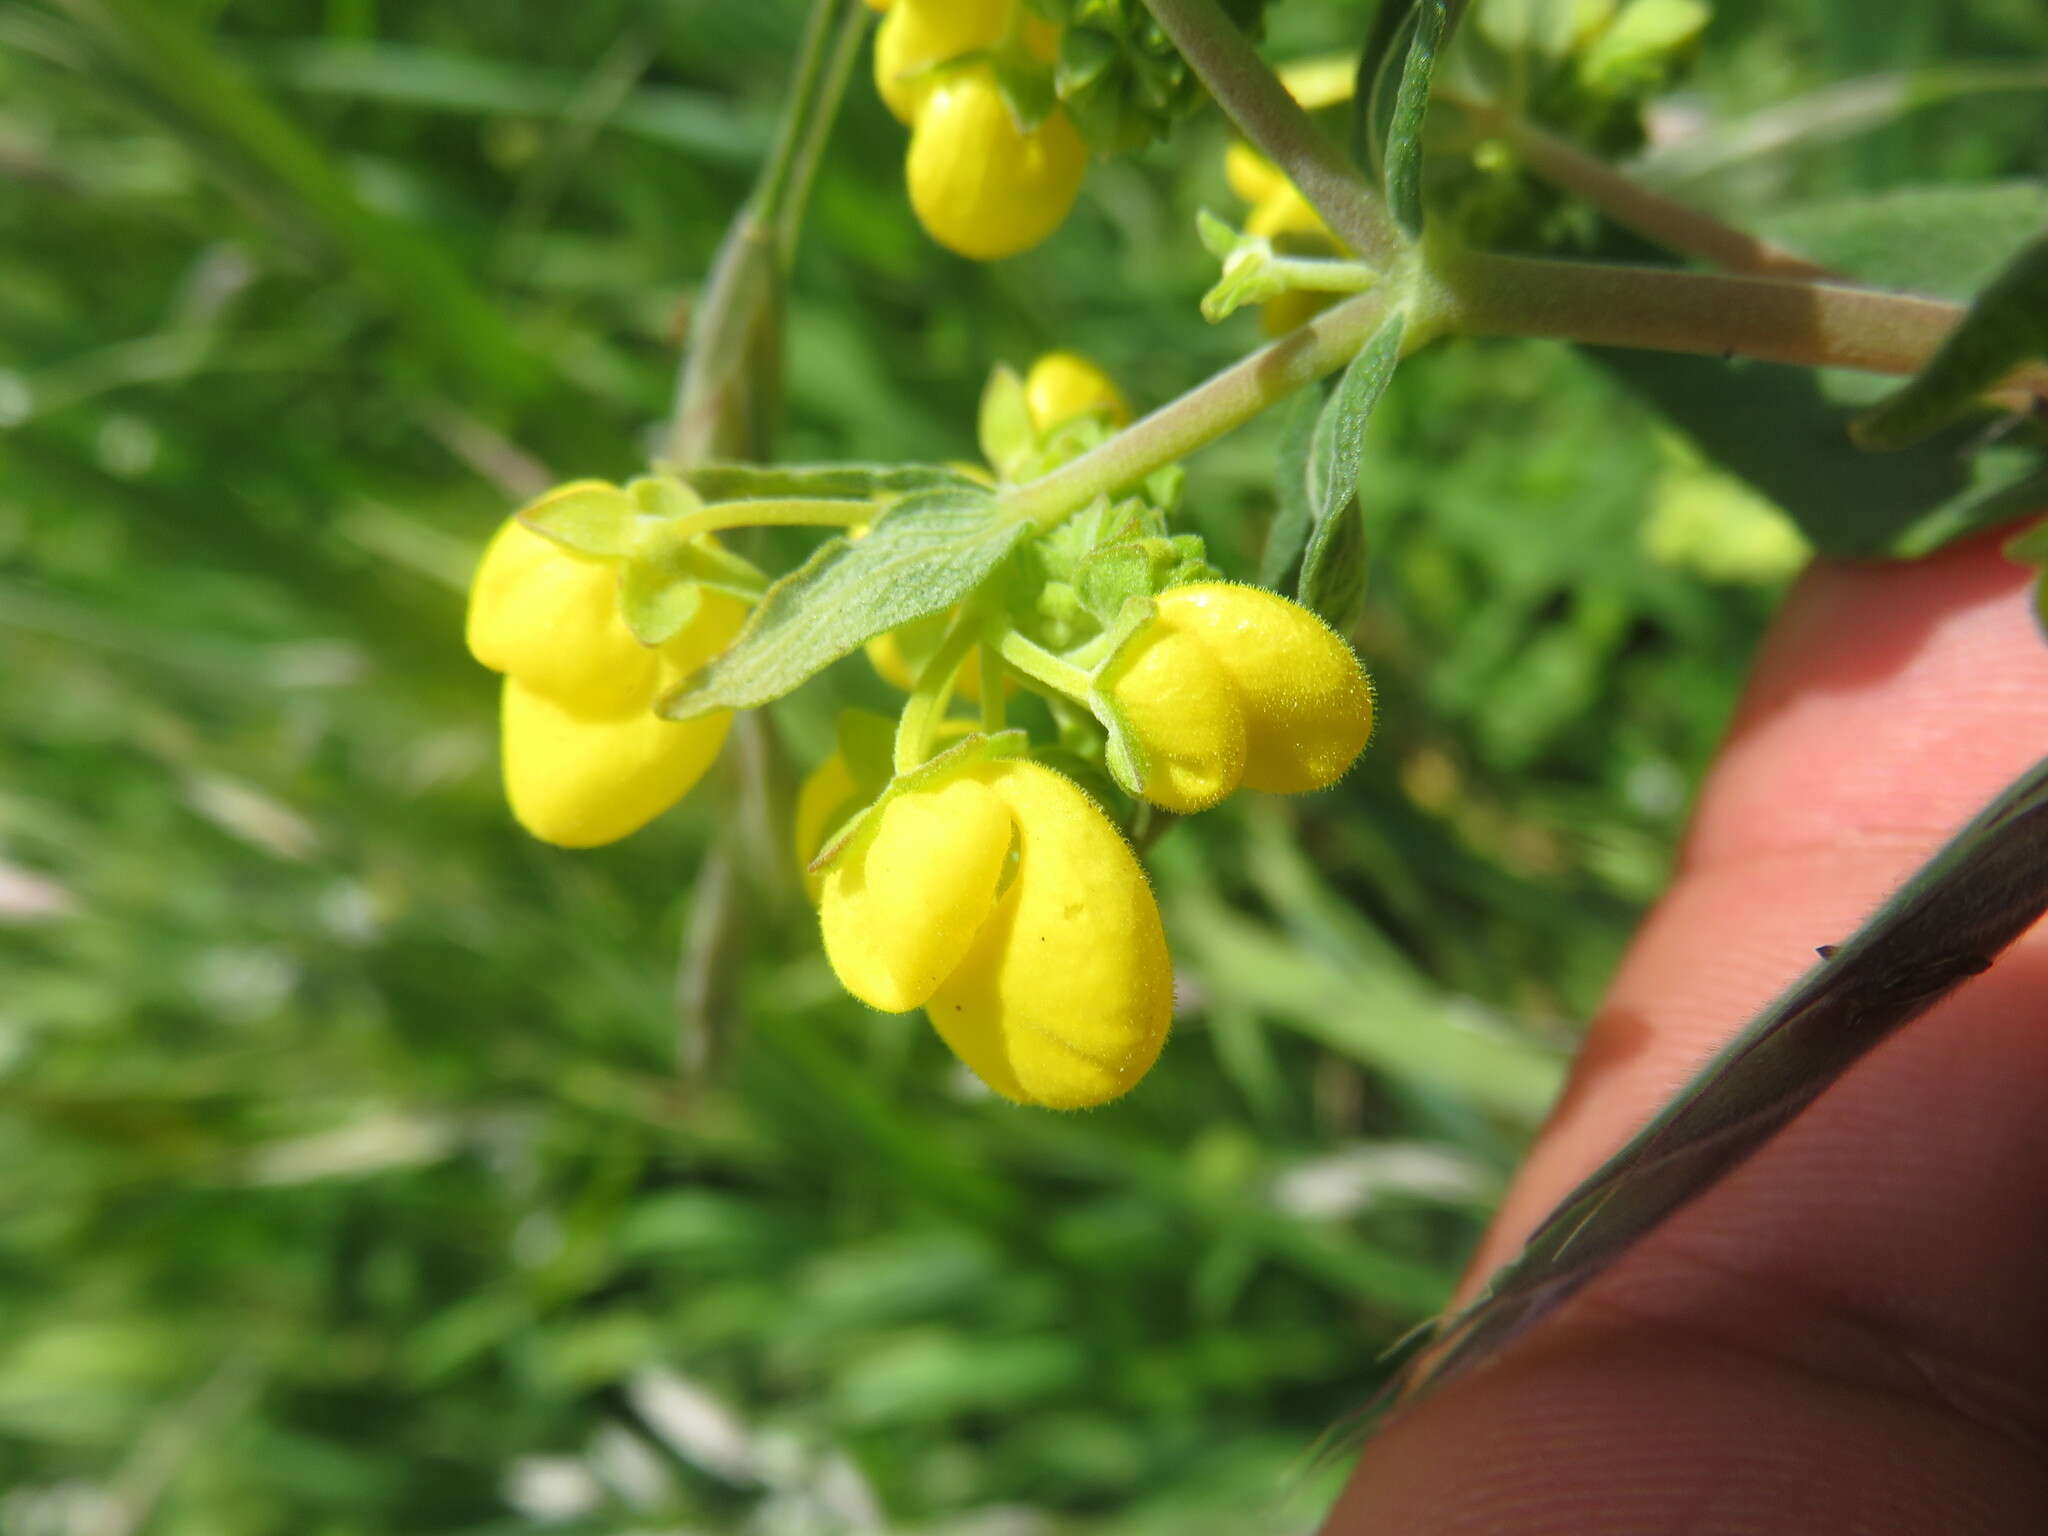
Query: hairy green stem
(1226, 400)
(1812, 325)
(817, 131)
(1779, 320)
(1040, 666)
(1670, 223)
(918, 725)
(728, 387)
(1277, 126)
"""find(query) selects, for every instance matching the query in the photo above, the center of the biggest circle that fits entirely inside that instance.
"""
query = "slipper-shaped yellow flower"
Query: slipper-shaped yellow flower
(1227, 685)
(981, 185)
(586, 759)
(1003, 902)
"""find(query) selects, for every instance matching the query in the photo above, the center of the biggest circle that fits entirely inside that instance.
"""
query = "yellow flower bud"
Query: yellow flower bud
(916, 34)
(586, 759)
(1186, 714)
(1061, 385)
(1307, 702)
(1005, 903)
(980, 185)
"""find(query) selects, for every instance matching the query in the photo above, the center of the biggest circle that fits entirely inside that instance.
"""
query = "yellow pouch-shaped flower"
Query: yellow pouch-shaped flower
(1307, 702)
(586, 759)
(579, 781)
(1005, 901)
(1066, 998)
(550, 617)
(900, 914)
(1185, 714)
(980, 185)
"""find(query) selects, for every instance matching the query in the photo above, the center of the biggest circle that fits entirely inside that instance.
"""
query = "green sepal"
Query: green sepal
(1003, 425)
(658, 599)
(1025, 85)
(1248, 275)
(926, 553)
(1115, 574)
(588, 516)
(859, 829)
(663, 576)
(1123, 752)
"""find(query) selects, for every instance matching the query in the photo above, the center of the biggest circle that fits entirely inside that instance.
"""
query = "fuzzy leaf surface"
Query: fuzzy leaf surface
(926, 554)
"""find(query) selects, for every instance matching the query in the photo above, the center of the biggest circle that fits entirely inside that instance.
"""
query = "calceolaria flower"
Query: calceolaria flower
(586, 759)
(1227, 685)
(981, 183)
(1001, 900)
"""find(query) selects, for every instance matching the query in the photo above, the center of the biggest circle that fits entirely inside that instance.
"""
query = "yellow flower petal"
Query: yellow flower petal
(980, 186)
(899, 913)
(1251, 175)
(580, 780)
(550, 617)
(718, 618)
(1307, 701)
(1186, 714)
(1066, 997)
(1061, 385)
(917, 34)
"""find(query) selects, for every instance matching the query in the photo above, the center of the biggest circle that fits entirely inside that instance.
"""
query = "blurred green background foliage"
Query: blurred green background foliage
(353, 1184)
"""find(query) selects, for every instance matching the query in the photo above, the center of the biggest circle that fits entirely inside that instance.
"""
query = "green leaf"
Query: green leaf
(851, 482)
(1775, 428)
(1338, 442)
(588, 516)
(924, 555)
(1334, 570)
(1003, 428)
(1944, 241)
(1332, 581)
(1411, 105)
(1939, 240)
(1287, 535)
(2006, 326)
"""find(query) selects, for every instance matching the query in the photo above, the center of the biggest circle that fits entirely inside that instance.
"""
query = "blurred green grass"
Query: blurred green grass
(353, 1185)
